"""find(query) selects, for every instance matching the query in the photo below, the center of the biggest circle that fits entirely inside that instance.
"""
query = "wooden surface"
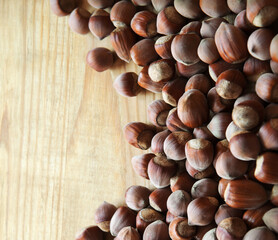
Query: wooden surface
(62, 150)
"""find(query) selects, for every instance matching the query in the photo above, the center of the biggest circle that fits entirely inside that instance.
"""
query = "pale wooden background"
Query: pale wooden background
(62, 150)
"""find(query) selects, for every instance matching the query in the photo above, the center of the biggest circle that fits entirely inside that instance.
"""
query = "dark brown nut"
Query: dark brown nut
(205, 187)
(144, 24)
(100, 24)
(90, 233)
(268, 134)
(207, 51)
(103, 216)
(180, 230)
(173, 122)
(78, 20)
(173, 90)
(220, 147)
(128, 233)
(274, 195)
(189, 71)
(192, 27)
(184, 48)
(203, 132)
(188, 8)
(161, 70)
(228, 38)
(140, 164)
(161, 4)
(214, 8)
(157, 230)
(230, 84)
(245, 146)
(273, 48)
(258, 43)
(139, 134)
(271, 111)
(259, 233)
(236, 6)
(267, 87)
(208, 172)
(126, 84)
(209, 26)
(254, 67)
(62, 8)
(222, 184)
(193, 108)
(218, 104)
(163, 46)
(177, 203)
(254, 217)
(100, 59)
(121, 13)
(147, 83)
(122, 40)
(160, 171)
(243, 24)
(270, 219)
(169, 21)
(231, 228)
(145, 217)
(240, 194)
(141, 2)
(157, 112)
(143, 53)
(219, 123)
(201, 211)
(267, 168)
(224, 211)
(261, 13)
(158, 141)
(182, 181)
(101, 3)
(158, 199)
(123, 217)
(174, 145)
(202, 230)
(137, 197)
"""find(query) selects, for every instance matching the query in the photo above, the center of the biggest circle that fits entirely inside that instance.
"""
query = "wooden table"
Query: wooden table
(62, 150)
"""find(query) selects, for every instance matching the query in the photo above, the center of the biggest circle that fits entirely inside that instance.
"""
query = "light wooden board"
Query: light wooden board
(62, 150)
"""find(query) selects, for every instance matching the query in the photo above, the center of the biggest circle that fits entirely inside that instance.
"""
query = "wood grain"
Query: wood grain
(62, 150)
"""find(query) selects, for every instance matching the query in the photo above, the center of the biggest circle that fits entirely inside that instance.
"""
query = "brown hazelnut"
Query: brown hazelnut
(274, 195)
(271, 111)
(218, 104)
(236, 6)
(100, 59)
(160, 171)
(192, 27)
(274, 66)
(139, 134)
(209, 26)
(158, 199)
(101, 3)
(180, 230)
(140, 164)
(273, 48)
(122, 12)
(126, 84)
(199, 174)
(259, 233)
(128, 233)
(137, 197)
(267, 87)
(161, 70)
(169, 217)
(219, 123)
(157, 230)
(188, 8)
(163, 46)
(62, 8)
(201, 211)
(141, 2)
(202, 230)
(173, 122)
(100, 24)
(268, 134)
(144, 24)
(182, 181)
(103, 215)
(161, 4)
(157, 112)
(158, 141)
(232, 130)
(174, 145)
(205, 187)
(222, 184)
(214, 8)
(220, 147)
(207, 51)
(224, 211)
(210, 235)
(189, 71)
(177, 203)
(248, 96)
(90, 233)
(270, 219)
(203, 132)
(242, 22)
(78, 20)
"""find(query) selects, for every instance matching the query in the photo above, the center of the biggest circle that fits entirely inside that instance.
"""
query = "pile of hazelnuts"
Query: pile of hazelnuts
(214, 134)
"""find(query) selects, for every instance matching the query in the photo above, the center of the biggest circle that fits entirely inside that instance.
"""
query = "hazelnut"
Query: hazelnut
(207, 51)
(100, 24)
(267, 87)
(121, 13)
(137, 197)
(78, 21)
(158, 199)
(248, 96)
(90, 233)
(210, 235)
(126, 84)
(218, 104)
(274, 66)
(169, 217)
(224, 211)
(214, 8)
(173, 122)
(180, 230)
(169, 21)
(189, 71)
(182, 181)
(205, 187)
(123, 217)
(158, 141)
(161, 70)
(177, 203)
(174, 145)
(128, 233)
(268, 134)
(141, 2)
(231, 43)
(273, 48)
(160, 170)
(203, 132)
(230, 229)
(270, 219)
(222, 185)
(163, 46)
(259, 233)
(157, 112)
(199, 174)
(202, 230)
(101, 3)
(188, 8)
(274, 195)
(240, 194)
(232, 130)
(219, 123)
(220, 147)
(139, 134)
(192, 27)
(103, 216)
(271, 111)
(209, 26)
(140, 164)
(242, 22)
(62, 8)
(144, 24)
(100, 59)
(236, 6)
(143, 53)
(157, 230)
(161, 4)
(201, 211)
